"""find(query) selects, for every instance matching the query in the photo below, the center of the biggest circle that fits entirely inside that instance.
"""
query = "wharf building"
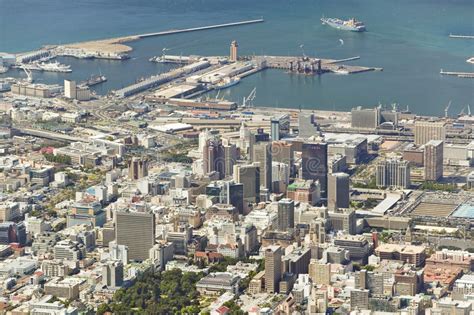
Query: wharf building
(373, 118)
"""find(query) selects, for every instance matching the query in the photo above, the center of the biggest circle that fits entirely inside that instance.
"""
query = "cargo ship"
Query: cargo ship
(350, 25)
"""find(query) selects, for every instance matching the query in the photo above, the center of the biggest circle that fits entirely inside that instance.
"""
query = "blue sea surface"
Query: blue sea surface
(408, 38)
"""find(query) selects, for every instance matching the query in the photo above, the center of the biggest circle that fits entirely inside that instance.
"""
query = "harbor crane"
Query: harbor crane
(29, 75)
(446, 110)
(248, 101)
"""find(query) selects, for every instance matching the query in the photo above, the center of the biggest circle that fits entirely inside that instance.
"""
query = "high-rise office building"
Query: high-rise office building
(429, 130)
(137, 168)
(282, 152)
(112, 274)
(307, 125)
(213, 157)
(262, 154)
(230, 158)
(279, 127)
(286, 214)
(249, 176)
(314, 164)
(394, 173)
(234, 51)
(320, 272)
(338, 191)
(272, 268)
(136, 230)
(433, 159)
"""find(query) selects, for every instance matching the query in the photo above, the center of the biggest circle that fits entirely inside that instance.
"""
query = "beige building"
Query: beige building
(429, 130)
(272, 268)
(433, 158)
(320, 272)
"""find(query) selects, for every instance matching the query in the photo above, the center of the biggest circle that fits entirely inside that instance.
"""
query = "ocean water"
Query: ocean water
(408, 38)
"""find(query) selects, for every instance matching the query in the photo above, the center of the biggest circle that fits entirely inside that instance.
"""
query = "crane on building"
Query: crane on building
(446, 110)
(248, 100)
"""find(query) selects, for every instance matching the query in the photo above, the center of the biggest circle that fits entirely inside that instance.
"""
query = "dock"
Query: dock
(461, 36)
(201, 28)
(469, 75)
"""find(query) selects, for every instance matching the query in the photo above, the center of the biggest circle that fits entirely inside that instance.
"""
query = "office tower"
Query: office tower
(343, 220)
(280, 127)
(280, 177)
(70, 89)
(286, 214)
(136, 230)
(320, 272)
(249, 176)
(433, 159)
(275, 129)
(338, 191)
(246, 140)
(394, 173)
(429, 130)
(233, 51)
(112, 274)
(272, 268)
(367, 118)
(262, 154)
(314, 163)
(296, 261)
(230, 158)
(307, 125)
(213, 157)
(359, 299)
(282, 152)
(137, 168)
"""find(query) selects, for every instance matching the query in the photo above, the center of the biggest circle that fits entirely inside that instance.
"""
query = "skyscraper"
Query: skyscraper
(112, 274)
(137, 168)
(338, 191)
(262, 154)
(272, 268)
(429, 130)
(136, 230)
(393, 172)
(286, 214)
(249, 176)
(230, 158)
(213, 157)
(433, 159)
(315, 163)
(279, 126)
(233, 51)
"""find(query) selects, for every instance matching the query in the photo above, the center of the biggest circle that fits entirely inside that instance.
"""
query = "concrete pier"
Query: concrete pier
(201, 28)
(462, 36)
(458, 74)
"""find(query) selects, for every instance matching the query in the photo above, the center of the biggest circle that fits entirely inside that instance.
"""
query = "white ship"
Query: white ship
(227, 82)
(54, 67)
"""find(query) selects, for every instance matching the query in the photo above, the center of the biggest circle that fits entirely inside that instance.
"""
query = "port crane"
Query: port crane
(446, 110)
(29, 75)
(248, 101)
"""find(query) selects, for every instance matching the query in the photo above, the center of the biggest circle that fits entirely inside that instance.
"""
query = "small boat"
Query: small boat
(349, 25)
